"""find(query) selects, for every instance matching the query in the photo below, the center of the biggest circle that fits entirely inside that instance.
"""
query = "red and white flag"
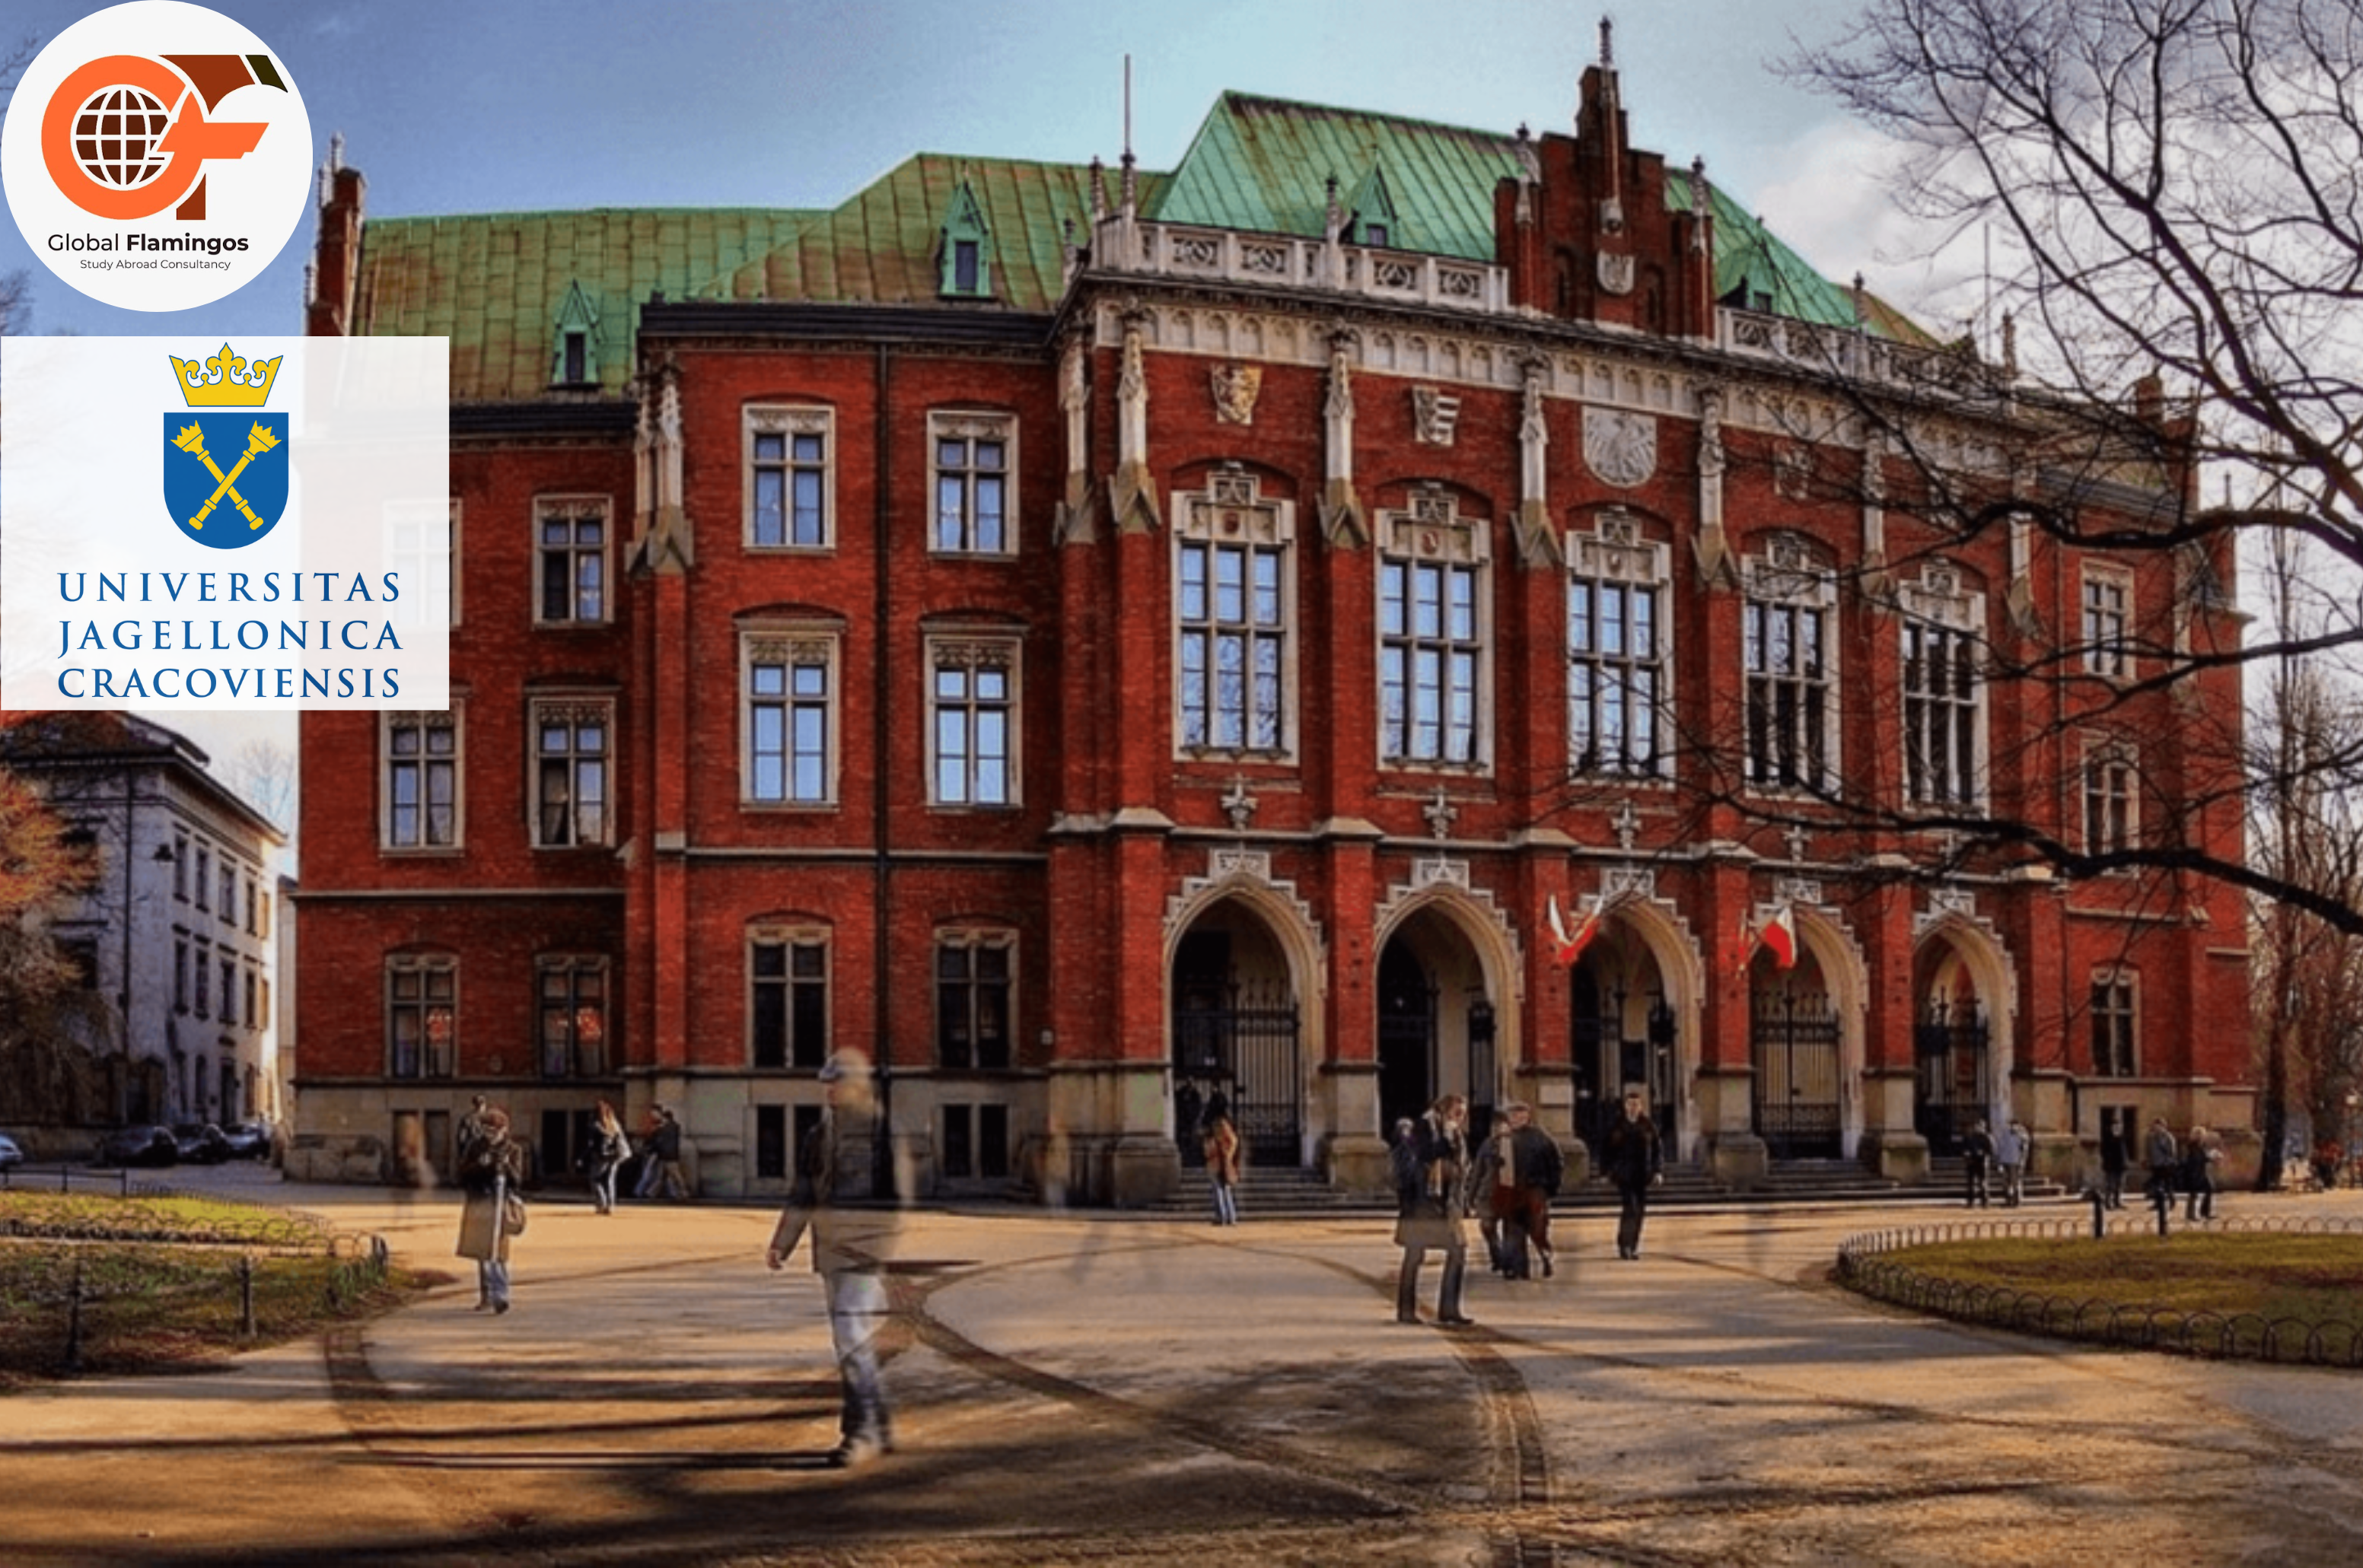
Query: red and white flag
(1780, 934)
(1566, 946)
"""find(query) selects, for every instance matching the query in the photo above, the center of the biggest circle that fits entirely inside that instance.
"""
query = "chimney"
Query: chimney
(337, 253)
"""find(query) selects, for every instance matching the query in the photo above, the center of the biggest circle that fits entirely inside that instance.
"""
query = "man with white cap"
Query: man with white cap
(850, 1248)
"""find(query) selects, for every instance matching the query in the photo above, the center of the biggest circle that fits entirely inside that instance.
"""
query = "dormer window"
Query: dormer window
(575, 361)
(1373, 221)
(967, 268)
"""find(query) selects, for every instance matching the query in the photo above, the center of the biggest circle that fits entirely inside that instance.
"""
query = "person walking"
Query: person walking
(651, 1172)
(2199, 1157)
(1220, 1141)
(1434, 1154)
(2009, 1162)
(850, 1248)
(1517, 1175)
(1631, 1159)
(2114, 1138)
(2163, 1156)
(609, 1149)
(1977, 1157)
(664, 1155)
(489, 1173)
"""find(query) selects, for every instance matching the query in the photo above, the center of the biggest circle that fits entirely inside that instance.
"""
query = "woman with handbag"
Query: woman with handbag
(492, 1211)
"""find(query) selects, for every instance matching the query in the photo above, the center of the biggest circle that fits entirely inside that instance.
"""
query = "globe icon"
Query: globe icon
(114, 138)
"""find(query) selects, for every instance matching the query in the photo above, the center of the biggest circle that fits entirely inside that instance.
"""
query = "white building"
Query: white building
(174, 941)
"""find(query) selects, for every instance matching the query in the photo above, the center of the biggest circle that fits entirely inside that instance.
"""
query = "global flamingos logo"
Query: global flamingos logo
(225, 474)
(126, 136)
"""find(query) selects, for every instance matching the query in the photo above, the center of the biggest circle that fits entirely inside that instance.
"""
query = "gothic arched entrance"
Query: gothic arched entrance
(1622, 1034)
(1794, 1035)
(1236, 1023)
(1958, 1049)
(1436, 1021)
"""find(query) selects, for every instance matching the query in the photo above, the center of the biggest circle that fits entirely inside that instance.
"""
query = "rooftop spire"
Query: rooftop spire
(1607, 44)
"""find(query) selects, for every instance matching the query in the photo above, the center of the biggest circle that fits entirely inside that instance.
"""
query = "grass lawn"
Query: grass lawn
(162, 1281)
(2277, 1277)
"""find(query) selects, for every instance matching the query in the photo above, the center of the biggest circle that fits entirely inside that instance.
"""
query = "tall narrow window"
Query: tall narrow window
(204, 878)
(1944, 691)
(1788, 649)
(571, 773)
(788, 998)
(790, 721)
(2108, 805)
(1431, 634)
(972, 464)
(421, 781)
(422, 1017)
(972, 1001)
(574, 1017)
(787, 478)
(1232, 603)
(974, 704)
(2107, 596)
(1617, 650)
(2114, 1054)
(571, 559)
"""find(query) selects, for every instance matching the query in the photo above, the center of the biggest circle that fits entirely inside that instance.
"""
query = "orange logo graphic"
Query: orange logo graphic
(126, 136)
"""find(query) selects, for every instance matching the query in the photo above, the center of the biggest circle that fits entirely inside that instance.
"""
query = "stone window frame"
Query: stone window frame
(390, 720)
(2105, 618)
(788, 421)
(794, 645)
(2115, 1038)
(1940, 603)
(970, 426)
(574, 710)
(600, 1060)
(1615, 552)
(791, 937)
(978, 649)
(971, 940)
(1429, 533)
(434, 1062)
(2109, 773)
(1793, 575)
(1232, 512)
(576, 509)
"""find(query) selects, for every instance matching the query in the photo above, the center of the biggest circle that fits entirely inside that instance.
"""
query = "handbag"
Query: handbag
(513, 1216)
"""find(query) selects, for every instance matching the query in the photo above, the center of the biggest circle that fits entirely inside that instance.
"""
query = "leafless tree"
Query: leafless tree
(39, 866)
(264, 771)
(2176, 187)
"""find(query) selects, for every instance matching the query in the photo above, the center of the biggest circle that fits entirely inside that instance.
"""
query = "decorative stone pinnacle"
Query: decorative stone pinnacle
(1627, 823)
(1238, 805)
(1799, 842)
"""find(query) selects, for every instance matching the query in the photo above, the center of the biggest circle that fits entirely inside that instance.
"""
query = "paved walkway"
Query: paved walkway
(1096, 1389)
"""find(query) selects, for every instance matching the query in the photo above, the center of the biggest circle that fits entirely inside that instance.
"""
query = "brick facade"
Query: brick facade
(1327, 930)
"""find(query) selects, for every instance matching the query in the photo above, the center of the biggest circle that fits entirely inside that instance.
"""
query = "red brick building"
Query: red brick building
(1091, 637)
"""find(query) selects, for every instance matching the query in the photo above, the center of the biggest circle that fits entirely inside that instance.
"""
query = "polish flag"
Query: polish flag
(1567, 948)
(1780, 934)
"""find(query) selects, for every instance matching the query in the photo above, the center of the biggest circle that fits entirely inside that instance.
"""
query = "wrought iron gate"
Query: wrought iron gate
(1948, 1047)
(1794, 1045)
(1247, 1047)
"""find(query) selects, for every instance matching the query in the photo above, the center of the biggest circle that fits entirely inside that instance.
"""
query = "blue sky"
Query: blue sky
(451, 107)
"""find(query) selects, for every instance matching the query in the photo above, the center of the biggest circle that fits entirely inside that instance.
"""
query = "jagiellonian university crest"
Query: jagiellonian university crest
(226, 458)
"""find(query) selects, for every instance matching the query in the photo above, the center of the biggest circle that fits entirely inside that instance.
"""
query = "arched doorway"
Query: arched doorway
(1793, 1036)
(1952, 1082)
(1235, 1027)
(1622, 1034)
(1437, 1027)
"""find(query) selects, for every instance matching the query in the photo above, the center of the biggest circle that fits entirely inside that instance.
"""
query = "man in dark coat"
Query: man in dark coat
(1517, 1175)
(1430, 1194)
(1977, 1159)
(1632, 1162)
(2113, 1160)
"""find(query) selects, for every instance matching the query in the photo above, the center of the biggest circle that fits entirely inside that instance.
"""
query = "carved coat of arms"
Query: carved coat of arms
(1235, 387)
(1620, 448)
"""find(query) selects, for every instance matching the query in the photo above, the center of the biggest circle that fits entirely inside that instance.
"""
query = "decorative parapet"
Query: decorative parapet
(1269, 260)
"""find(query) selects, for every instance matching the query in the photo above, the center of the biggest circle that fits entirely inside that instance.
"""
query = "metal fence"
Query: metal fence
(1862, 1266)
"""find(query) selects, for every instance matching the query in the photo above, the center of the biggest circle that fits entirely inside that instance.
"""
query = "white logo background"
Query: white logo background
(260, 197)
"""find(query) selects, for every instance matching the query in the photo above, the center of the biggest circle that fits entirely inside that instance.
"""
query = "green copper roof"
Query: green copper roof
(1749, 254)
(1264, 164)
(883, 246)
(496, 282)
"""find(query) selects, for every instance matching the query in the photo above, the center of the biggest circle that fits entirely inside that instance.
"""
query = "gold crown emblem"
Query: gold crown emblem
(224, 380)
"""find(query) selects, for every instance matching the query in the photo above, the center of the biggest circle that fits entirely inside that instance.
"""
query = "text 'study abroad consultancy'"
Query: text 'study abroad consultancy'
(203, 520)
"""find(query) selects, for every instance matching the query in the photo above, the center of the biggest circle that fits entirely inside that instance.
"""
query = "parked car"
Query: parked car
(201, 1143)
(11, 1157)
(249, 1140)
(138, 1146)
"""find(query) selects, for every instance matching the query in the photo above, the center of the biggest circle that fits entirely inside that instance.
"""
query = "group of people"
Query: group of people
(2186, 1166)
(1509, 1184)
(1987, 1154)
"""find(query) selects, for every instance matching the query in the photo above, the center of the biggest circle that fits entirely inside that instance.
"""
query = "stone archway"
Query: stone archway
(1964, 1034)
(1805, 1041)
